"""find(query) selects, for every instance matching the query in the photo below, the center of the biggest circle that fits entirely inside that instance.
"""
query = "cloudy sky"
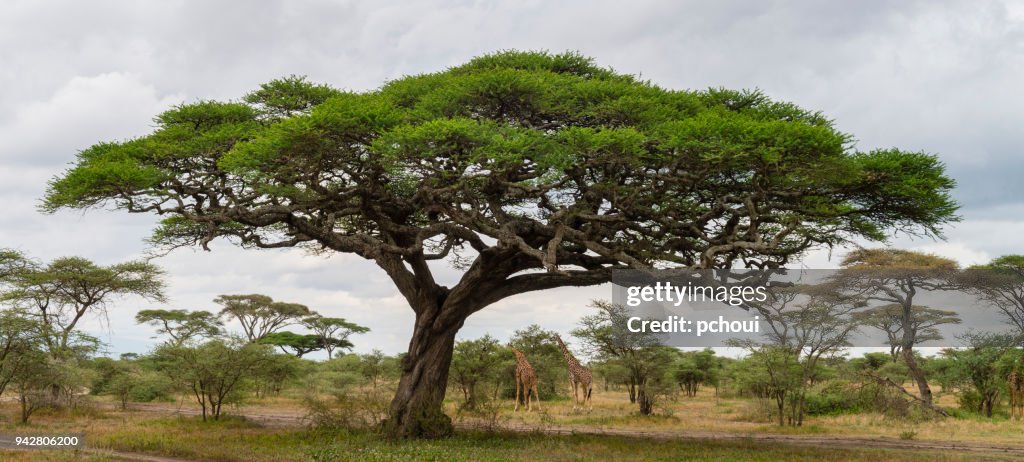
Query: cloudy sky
(931, 76)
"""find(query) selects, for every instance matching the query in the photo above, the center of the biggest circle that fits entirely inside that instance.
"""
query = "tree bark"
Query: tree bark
(917, 374)
(417, 410)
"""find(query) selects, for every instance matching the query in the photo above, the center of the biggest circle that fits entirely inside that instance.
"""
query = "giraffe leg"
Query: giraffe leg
(575, 395)
(526, 396)
(528, 399)
(515, 409)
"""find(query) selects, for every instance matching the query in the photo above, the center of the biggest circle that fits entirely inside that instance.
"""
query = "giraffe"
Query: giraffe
(579, 376)
(1015, 381)
(526, 376)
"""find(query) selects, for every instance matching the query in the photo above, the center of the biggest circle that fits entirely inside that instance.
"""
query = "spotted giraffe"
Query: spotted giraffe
(579, 376)
(1015, 381)
(526, 377)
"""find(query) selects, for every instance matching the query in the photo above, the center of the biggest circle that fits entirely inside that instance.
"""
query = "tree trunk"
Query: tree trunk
(24, 408)
(417, 410)
(780, 400)
(646, 403)
(917, 374)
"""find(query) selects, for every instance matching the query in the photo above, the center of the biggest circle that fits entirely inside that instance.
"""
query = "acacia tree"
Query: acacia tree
(1001, 283)
(476, 363)
(333, 332)
(544, 355)
(981, 364)
(12, 262)
(606, 334)
(181, 326)
(260, 315)
(896, 277)
(805, 324)
(300, 344)
(527, 171)
(923, 321)
(215, 371)
(20, 339)
(61, 293)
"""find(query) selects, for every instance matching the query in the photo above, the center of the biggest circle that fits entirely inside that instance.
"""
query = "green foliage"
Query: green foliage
(605, 335)
(561, 115)
(376, 367)
(289, 96)
(181, 326)
(979, 369)
(836, 397)
(546, 359)
(260, 315)
(333, 332)
(216, 372)
(62, 292)
(276, 371)
(336, 376)
(129, 381)
(478, 369)
(20, 344)
(696, 368)
(299, 344)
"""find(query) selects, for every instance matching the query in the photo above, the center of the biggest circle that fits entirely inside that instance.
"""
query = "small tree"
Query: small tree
(696, 368)
(773, 372)
(980, 367)
(20, 339)
(299, 344)
(260, 315)
(811, 323)
(333, 332)
(64, 291)
(215, 372)
(34, 383)
(545, 357)
(1000, 282)
(181, 326)
(376, 367)
(475, 363)
(923, 321)
(895, 276)
(272, 375)
(606, 334)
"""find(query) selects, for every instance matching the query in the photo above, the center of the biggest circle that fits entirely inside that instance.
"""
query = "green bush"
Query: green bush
(833, 398)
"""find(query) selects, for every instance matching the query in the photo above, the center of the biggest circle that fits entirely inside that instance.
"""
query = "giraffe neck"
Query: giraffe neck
(569, 358)
(521, 360)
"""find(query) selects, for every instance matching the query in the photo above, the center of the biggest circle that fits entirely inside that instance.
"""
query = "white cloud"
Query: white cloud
(109, 106)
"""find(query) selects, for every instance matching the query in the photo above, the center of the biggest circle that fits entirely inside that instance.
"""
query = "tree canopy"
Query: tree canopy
(528, 170)
(333, 333)
(65, 290)
(181, 326)
(260, 315)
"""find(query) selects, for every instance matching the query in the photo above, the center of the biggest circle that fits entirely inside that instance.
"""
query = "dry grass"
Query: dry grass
(706, 413)
(237, 440)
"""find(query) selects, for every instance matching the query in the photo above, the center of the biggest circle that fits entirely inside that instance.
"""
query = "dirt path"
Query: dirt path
(115, 455)
(286, 419)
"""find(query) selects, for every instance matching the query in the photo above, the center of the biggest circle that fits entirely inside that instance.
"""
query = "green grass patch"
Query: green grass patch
(236, 440)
